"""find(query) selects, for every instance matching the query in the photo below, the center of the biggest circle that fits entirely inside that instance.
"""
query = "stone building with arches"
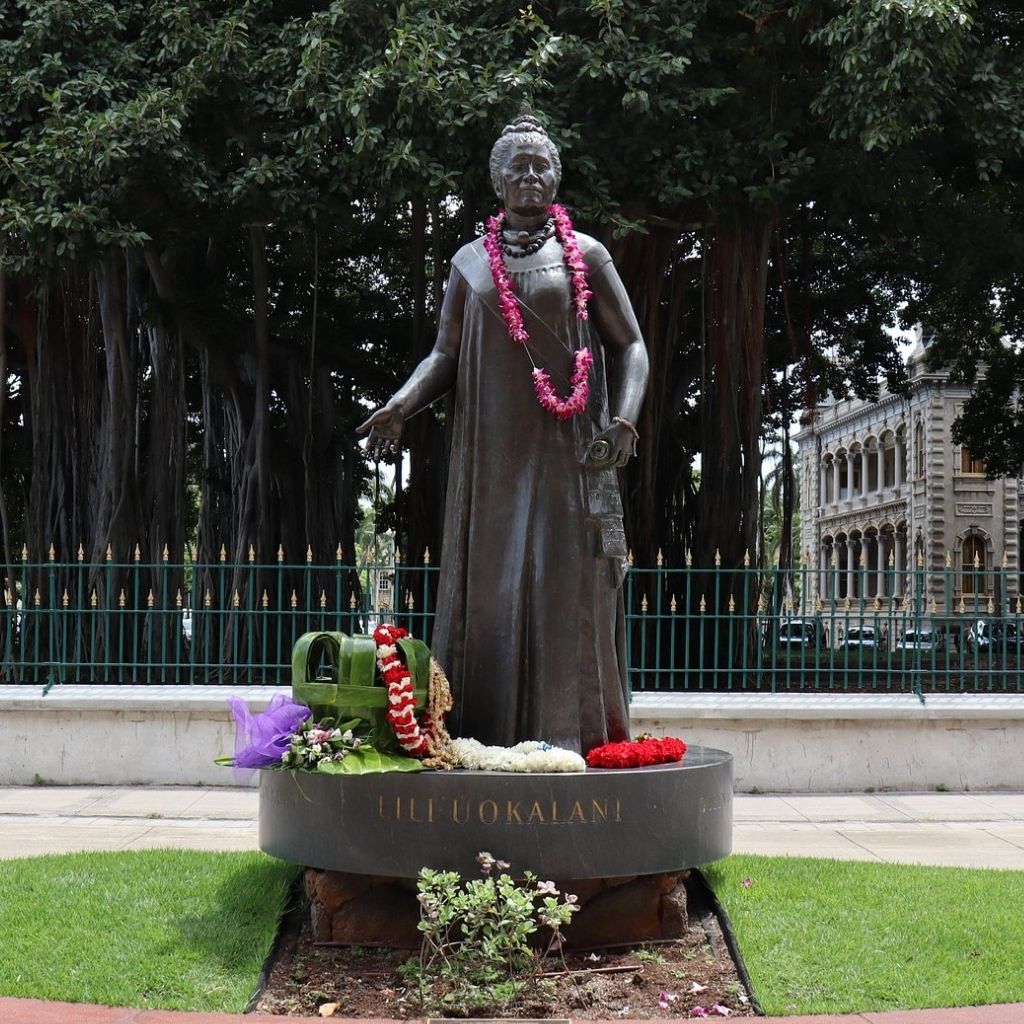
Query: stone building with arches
(885, 492)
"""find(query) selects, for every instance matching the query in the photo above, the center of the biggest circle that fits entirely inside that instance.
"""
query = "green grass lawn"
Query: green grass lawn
(822, 936)
(169, 929)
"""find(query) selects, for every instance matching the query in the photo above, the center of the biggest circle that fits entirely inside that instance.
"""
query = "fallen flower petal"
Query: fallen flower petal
(696, 988)
(722, 1011)
(747, 883)
(698, 1011)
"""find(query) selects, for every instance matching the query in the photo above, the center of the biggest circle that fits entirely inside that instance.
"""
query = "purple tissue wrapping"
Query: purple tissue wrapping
(261, 739)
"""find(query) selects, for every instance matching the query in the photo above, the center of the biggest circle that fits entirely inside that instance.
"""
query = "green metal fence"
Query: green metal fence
(687, 627)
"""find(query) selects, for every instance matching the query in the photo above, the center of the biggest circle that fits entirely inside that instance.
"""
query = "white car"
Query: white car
(921, 640)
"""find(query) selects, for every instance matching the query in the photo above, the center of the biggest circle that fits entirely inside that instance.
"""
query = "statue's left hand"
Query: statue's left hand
(621, 441)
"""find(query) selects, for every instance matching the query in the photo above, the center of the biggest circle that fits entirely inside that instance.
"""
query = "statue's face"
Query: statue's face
(528, 179)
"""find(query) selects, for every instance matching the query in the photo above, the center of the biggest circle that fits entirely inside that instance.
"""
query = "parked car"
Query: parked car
(796, 633)
(995, 633)
(862, 637)
(921, 640)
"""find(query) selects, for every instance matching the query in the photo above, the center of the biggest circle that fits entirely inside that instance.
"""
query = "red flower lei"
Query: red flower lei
(630, 754)
(560, 408)
(401, 710)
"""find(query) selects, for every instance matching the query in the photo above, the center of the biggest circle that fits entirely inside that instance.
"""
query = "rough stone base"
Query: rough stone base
(368, 910)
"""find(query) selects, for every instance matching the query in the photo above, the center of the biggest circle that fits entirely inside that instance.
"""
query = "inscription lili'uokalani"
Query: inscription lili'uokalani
(462, 811)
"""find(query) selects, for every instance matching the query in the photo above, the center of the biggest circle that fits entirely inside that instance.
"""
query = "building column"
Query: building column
(899, 542)
(898, 481)
(880, 478)
(880, 565)
(862, 456)
(851, 571)
(835, 479)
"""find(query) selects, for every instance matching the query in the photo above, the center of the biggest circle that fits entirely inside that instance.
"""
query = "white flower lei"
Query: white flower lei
(529, 756)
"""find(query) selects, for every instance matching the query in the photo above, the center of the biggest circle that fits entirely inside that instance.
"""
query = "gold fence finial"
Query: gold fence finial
(53, 553)
(309, 554)
(252, 553)
(265, 599)
(110, 552)
(24, 552)
(37, 598)
(746, 559)
(150, 598)
(718, 557)
(208, 598)
(688, 560)
(949, 560)
(178, 600)
(323, 599)
(94, 598)
(65, 599)
(426, 556)
(81, 552)
(703, 604)
(280, 552)
(294, 600)
(410, 604)
(223, 553)
(643, 603)
(659, 560)
(339, 554)
(352, 600)
(122, 599)
(166, 553)
(138, 553)
(672, 604)
(236, 599)
(732, 603)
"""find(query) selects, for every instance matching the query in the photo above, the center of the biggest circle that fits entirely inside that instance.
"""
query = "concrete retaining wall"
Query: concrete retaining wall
(162, 735)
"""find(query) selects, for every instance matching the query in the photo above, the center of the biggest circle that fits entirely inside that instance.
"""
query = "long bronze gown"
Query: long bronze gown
(530, 622)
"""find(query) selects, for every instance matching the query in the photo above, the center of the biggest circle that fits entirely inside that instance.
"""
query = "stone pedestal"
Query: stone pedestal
(585, 825)
(619, 840)
(372, 910)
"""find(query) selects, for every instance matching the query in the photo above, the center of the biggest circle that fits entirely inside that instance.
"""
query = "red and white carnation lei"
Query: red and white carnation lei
(401, 709)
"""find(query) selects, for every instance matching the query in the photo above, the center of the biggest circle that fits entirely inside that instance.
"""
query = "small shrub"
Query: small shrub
(476, 947)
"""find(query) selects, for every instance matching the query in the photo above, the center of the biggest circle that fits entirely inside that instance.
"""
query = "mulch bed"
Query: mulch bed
(306, 979)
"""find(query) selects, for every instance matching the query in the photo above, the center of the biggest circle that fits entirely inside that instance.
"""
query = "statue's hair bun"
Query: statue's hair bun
(524, 123)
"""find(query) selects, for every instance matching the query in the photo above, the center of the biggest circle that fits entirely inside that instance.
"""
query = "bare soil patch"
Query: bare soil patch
(603, 984)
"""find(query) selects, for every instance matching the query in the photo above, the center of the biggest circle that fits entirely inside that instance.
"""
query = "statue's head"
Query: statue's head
(524, 135)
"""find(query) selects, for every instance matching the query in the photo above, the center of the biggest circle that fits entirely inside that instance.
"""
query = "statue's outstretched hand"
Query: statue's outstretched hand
(385, 427)
(621, 442)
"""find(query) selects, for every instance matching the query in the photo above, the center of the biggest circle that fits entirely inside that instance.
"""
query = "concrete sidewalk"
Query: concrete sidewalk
(951, 829)
(947, 829)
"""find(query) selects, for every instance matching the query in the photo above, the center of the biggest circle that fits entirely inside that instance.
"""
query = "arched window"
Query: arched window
(969, 465)
(919, 450)
(974, 566)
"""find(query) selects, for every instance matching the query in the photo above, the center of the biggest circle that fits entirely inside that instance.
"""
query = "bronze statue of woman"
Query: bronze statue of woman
(538, 338)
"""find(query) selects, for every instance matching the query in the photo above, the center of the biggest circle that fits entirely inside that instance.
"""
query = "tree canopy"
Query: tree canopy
(224, 226)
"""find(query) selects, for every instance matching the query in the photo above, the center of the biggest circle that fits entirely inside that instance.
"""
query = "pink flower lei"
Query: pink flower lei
(560, 408)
